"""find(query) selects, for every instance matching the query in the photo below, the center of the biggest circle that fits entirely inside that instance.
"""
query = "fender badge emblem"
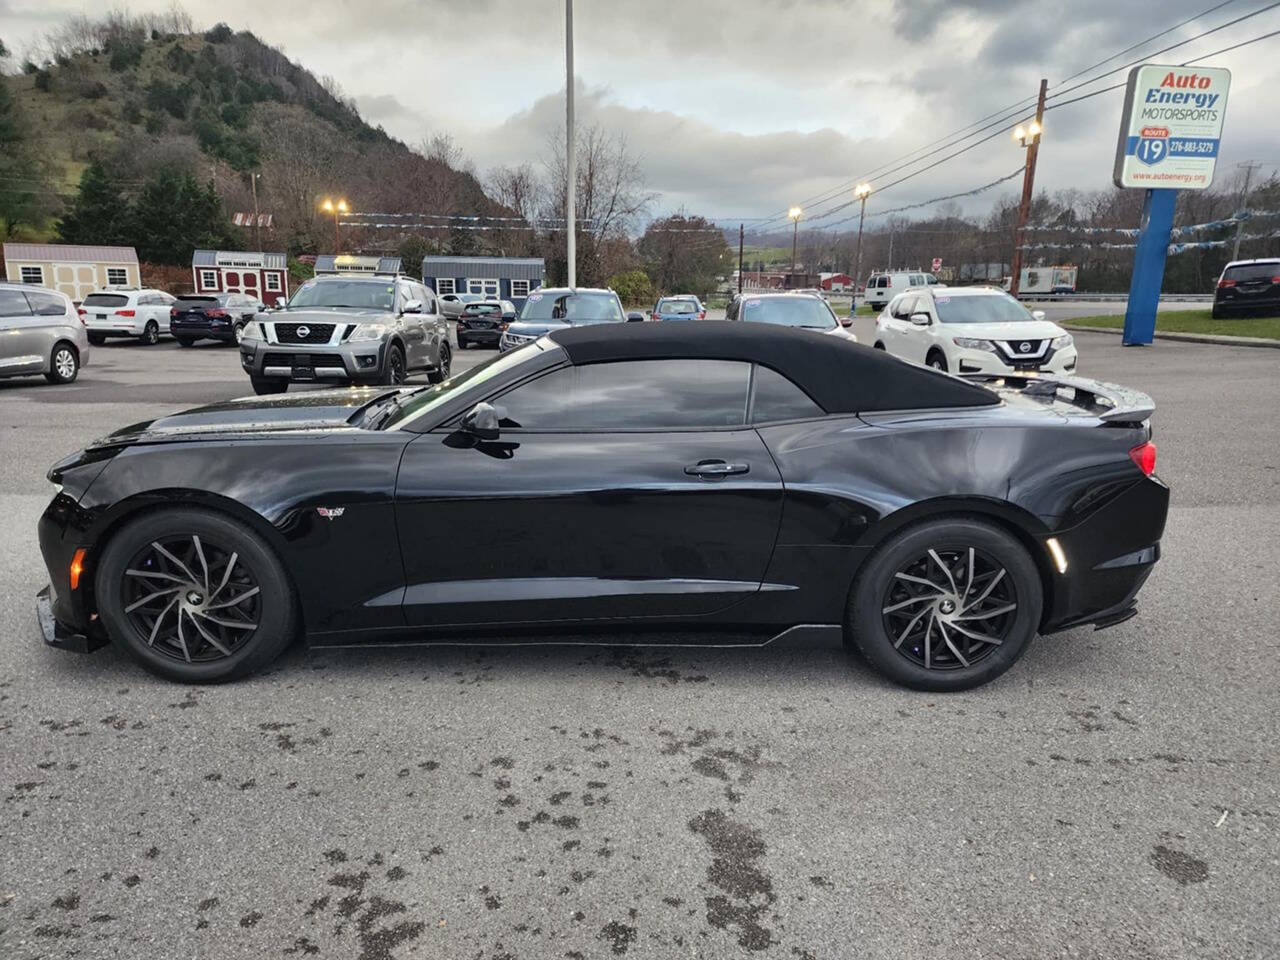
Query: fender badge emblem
(331, 513)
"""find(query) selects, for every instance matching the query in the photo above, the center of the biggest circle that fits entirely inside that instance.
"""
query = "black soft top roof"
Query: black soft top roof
(842, 376)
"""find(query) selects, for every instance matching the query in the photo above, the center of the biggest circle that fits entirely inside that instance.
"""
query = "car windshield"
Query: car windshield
(573, 308)
(375, 294)
(996, 308)
(1253, 271)
(468, 297)
(677, 306)
(482, 308)
(105, 300)
(431, 397)
(789, 311)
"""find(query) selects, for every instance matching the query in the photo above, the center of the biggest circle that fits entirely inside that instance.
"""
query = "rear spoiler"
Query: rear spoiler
(1109, 402)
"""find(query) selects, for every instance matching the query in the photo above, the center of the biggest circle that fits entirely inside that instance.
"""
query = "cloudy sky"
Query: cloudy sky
(739, 108)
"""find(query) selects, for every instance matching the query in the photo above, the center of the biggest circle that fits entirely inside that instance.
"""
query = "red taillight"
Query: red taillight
(80, 310)
(655, 316)
(1144, 455)
(215, 312)
(124, 313)
(1275, 279)
(173, 311)
(1226, 283)
(702, 314)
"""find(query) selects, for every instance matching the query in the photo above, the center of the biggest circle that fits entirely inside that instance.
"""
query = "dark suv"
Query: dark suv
(1248, 286)
(352, 329)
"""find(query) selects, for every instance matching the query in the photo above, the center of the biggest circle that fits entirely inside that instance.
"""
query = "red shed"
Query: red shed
(261, 275)
(836, 281)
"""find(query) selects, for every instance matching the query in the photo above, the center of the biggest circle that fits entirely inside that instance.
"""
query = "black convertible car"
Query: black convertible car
(709, 483)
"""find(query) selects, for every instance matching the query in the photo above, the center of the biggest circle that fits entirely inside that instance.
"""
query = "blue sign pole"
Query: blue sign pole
(1148, 267)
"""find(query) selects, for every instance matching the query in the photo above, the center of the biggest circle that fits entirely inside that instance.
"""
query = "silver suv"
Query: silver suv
(354, 329)
(40, 333)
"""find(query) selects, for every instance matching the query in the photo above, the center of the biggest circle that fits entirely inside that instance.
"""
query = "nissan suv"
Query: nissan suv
(348, 329)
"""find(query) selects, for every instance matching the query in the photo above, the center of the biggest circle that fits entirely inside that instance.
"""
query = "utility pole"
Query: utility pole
(1030, 140)
(257, 230)
(861, 192)
(890, 267)
(794, 213)
(1244, 205)
(571, 159)
(740, 237)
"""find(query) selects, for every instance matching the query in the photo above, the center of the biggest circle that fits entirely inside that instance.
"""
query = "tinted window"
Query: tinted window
(882, 281)
(1253, 271)
(981, 308)
(632, 395)
(774, 397)
(46, 304)
(105, 300)
(573, 308)
(13, 304)
(480, 309)
(789, 311)
(677, 306)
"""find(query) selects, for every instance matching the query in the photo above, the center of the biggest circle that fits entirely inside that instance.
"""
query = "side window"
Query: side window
(632, 395)
(905, 304)
(774, 397)
(14, 304)
(46, 304)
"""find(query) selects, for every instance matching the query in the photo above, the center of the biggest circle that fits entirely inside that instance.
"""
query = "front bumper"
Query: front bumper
(213, 330)
(58, 634)
(309, 363)
(984, 361)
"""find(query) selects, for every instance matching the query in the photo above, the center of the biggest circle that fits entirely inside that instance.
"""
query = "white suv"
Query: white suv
(118, 312)
(972, 330)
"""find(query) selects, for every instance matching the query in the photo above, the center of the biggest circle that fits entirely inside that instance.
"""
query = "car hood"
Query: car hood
(1022, 330)
(536, 328)
(311, 412)
(330, 315)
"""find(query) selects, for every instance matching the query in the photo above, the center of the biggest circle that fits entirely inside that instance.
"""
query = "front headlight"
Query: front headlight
(1063, 341)
(368, 331)
(968, 343)
(252, 331)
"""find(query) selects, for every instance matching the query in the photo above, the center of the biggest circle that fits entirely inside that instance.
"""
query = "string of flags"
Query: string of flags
(1174, 248)
(1238, 218)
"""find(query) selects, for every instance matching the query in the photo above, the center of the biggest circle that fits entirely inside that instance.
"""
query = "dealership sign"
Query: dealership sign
(1171, 127)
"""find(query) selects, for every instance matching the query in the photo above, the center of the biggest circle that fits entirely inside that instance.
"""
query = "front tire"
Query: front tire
(195, 596)
(880, 345)
(64, 363)
(393, 374)
(945, 605)
(263, 386)
(937, 361)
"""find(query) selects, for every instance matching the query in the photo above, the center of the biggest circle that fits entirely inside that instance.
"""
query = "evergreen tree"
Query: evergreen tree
(174, 216)
(100, 212)
(25, 193)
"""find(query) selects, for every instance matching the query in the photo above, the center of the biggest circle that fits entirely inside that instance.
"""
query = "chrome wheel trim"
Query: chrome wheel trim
(191, 599)
(238, 332)
(949, 608)
(64, 363)
(446, 363)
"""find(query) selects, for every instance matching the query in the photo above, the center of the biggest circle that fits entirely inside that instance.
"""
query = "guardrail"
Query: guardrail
(1112, 297)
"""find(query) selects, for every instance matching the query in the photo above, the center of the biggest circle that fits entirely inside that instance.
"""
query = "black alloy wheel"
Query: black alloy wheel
(151, 333)
(946, 604)
(394, 373)
(195, 595)
(64, 363)
(441, 372)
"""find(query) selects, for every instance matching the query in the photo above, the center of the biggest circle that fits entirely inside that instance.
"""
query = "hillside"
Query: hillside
(223, 105)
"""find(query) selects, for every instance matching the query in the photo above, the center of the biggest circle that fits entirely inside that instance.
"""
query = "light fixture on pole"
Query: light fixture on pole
(861, 192)
(337, 208)
(1029, 138)
(794, 213)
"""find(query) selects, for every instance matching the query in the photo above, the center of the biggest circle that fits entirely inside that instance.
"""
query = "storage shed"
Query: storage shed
(70, 268)
(261, 275)
(348, 263)
(506, 278)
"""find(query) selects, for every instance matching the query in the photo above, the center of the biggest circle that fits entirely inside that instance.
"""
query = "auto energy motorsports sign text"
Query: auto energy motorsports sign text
(1171, 127)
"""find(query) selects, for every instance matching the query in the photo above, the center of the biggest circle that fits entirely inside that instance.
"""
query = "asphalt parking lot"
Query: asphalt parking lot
(1116, 794)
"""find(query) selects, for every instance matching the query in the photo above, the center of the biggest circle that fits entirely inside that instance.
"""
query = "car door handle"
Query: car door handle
(715, 468)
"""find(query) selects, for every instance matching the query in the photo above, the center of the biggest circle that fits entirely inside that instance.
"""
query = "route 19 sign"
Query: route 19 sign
(1171, 127)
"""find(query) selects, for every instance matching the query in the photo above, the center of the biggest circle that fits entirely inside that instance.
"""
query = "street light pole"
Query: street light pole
(794, 213)
(1030, 140)
(861, 191)
(335, 208)
(257, 230)
(571, 164)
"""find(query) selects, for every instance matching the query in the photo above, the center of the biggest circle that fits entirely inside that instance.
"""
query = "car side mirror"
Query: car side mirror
(921, 319)
(1038, 314)
(412, 306)
(635, 317)
(481, 421)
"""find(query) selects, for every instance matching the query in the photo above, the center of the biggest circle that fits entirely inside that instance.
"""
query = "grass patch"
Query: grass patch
(1193, 321)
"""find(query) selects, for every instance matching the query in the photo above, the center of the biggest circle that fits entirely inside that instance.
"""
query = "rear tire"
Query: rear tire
(184, 341)
(1216, 314)
(64, 363)
(263, 386)
(96, 339)
(986, 585)
(151, 333)
(880, 345)
(441, 372)
(174, 643)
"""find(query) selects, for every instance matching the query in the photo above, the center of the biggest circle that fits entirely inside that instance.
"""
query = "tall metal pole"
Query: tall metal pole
(337, 244)
(795, 229)
(857, 259)
(890, 267)
(257, 229)
(1028, 184)
(740, 237)
(571, 159)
